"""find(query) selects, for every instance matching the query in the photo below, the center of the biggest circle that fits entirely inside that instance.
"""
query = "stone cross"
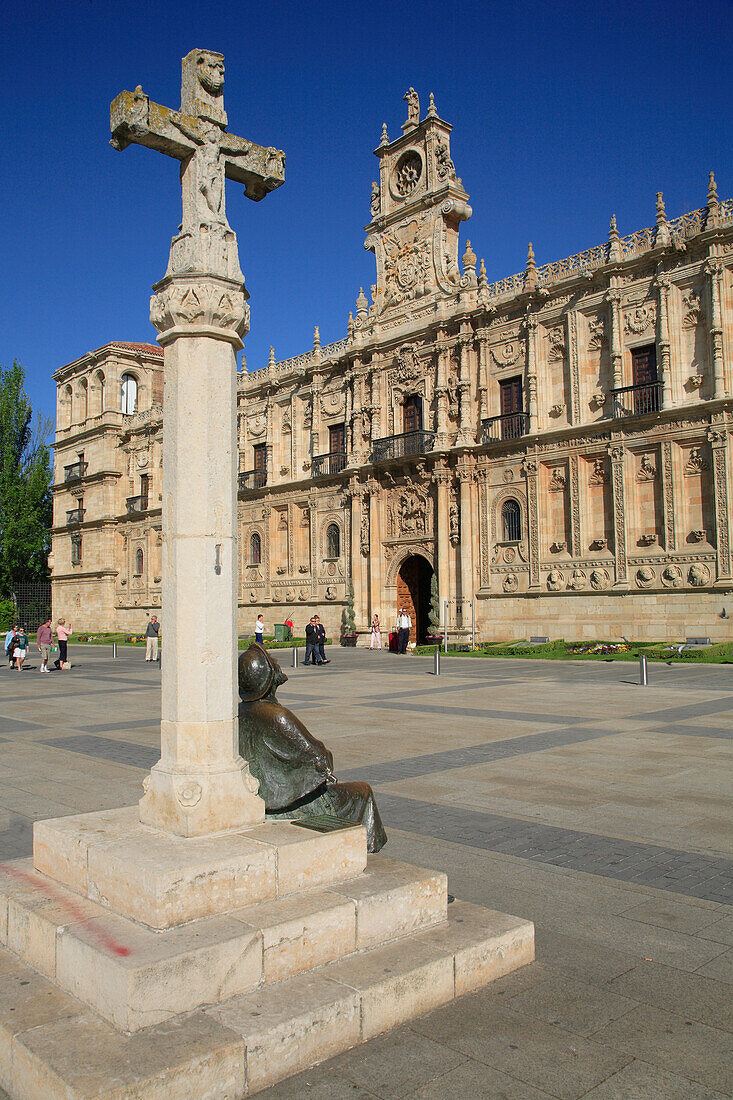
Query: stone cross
(201, 785)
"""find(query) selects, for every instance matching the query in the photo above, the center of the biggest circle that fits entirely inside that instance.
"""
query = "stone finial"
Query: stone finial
(432, 110)
(530, 275)
(614, 242)
(483, 282)
(362, 305)
(350, 325)
(316, 339)
(713, 206)
(469, 260)
(271, 360)
(662, 235)
(385, 135)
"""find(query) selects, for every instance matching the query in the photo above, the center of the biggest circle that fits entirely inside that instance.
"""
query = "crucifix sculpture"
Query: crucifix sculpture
(200, 785)
(197, 136)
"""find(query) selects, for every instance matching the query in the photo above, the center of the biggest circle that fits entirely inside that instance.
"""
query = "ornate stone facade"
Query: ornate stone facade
(555, 445)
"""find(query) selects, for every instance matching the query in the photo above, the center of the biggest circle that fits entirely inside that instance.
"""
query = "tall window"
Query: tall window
(144, 490)
(76, 549)
(84, 400)
(139, 563)
(333, 541)
(511, 521)
(255, 550)
(511, 407)
(260, 465)
(337, 439)
(412, 413)
(129, 394)
(100, 391)
(645, 378)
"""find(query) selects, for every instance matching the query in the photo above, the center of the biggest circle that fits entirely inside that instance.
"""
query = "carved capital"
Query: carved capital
(182, 305)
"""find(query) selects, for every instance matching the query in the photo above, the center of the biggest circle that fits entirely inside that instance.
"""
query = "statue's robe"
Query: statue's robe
(294, 770)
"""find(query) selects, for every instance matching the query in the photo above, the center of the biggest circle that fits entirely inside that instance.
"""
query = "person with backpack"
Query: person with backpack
(10, 644)
(20, 648)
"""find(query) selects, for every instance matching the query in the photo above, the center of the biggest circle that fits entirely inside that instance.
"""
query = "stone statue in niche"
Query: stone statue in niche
(374, 202)
(294, 769)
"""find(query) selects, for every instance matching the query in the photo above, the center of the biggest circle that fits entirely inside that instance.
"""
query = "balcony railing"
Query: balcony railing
(75, 471)
(137, 504)
(74, 516)
(402, 446)
(508, 426)
(252, 479)
(332, 463)
(637, 400)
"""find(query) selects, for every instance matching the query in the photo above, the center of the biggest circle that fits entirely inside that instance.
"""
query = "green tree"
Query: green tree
(25, 485)
(434, 613)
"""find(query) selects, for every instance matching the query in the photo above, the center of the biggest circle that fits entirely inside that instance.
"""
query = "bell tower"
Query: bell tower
(416, 209)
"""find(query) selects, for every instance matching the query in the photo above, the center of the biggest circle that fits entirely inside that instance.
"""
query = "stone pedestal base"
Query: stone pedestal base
(294, 948)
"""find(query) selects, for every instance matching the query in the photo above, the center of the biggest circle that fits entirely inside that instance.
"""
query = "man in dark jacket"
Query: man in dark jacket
(321, 636)
(311, 643)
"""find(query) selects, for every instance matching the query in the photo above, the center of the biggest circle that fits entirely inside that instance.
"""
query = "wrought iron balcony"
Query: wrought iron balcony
(402, 446)
(252, 479)
(75, 471)
(508, 426)
(137, 504)
(637, 400)
(74, 516)
(332, 463)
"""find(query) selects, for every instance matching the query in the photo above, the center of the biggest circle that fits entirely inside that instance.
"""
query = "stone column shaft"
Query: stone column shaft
(533, 522)
(531, 374)
(719, 448)
(442, 477)
(616, 339)
(201, 785)
(467, 536)
(617, 454)
(665, 356)
(715, 271)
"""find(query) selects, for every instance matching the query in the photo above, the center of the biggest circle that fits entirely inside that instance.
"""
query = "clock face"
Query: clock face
(407, 174)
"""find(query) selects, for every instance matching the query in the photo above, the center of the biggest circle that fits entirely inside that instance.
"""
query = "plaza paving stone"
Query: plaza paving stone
(563, 792)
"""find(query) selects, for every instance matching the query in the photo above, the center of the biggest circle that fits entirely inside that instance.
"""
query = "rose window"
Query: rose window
(407, 174)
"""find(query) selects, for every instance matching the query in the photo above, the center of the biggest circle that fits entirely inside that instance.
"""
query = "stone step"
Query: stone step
(52, 1046)
(164, 880)
(135, 977)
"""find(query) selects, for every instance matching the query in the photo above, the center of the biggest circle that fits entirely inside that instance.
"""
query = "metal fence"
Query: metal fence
(32, 601)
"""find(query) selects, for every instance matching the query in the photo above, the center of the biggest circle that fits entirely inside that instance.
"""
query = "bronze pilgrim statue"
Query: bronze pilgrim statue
(294, 769)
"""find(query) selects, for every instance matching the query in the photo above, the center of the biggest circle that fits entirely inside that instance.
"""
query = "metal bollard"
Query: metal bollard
(436, 663)
(643, 678)
(114, 650)
(295, 656)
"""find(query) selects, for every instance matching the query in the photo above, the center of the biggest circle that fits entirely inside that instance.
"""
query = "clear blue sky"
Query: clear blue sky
(563, 113)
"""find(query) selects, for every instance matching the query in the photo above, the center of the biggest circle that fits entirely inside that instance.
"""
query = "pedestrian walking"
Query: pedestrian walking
(151, 639)
(321, 636)
(44, 641)
(376, 640)
(311, 643)
(10, 645)
(260, 629)
(404, 625)
(20, 648)
(63, 633)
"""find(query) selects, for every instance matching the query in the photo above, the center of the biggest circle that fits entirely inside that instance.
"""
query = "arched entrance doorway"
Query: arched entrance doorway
(413, 592)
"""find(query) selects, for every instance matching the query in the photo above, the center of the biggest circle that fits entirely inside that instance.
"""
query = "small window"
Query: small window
(255, 550)
(76, 549)
(333, 541)
(129, 394)
(511, 521)
(139, 563)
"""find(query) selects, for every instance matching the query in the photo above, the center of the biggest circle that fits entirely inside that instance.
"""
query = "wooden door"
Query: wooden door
(337, 439)
(407, 591)
(412, 413)
(510, 393)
